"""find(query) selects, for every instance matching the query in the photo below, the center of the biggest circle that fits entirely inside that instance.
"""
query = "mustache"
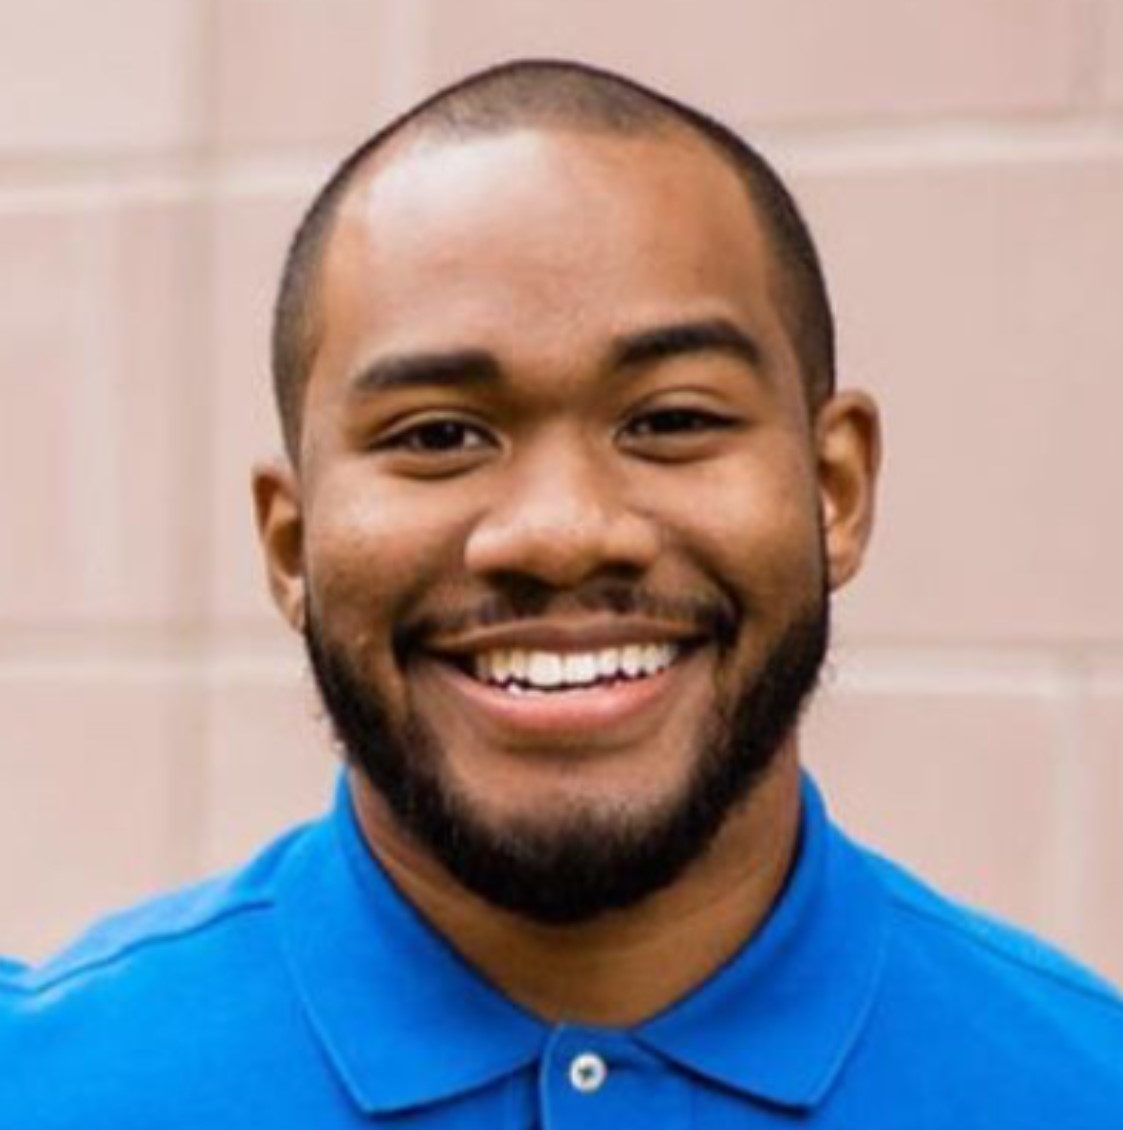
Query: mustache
(708, 615)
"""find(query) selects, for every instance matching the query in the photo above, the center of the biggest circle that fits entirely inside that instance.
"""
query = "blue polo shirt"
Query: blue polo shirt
(305, 992)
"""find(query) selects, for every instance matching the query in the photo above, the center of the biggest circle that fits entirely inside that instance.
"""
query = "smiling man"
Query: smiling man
(568, 487)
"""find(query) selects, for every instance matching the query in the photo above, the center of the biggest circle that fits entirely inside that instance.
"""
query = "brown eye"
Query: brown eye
(437, 437)
(675, 421)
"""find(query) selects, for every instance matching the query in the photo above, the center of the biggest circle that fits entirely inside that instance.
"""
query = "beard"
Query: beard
(591, 861)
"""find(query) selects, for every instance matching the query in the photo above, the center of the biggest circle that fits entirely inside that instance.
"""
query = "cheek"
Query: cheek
(754, 523)
(370, 556)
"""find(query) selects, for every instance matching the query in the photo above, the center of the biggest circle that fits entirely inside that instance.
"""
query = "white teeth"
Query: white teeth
(656, 656)
(544, 669)
(518, 668)
(500, 666)
(580, 668)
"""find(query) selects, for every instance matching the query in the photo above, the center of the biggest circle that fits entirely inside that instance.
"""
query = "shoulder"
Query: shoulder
(143, 994)
(1013, 1005)
(985, 940)
(172, 921)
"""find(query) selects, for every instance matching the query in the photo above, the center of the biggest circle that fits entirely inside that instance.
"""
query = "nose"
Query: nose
(560, 517)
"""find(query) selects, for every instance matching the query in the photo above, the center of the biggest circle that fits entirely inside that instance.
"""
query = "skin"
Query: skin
(543, 251)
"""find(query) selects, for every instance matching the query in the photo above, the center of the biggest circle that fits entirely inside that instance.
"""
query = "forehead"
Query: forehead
(536, 244)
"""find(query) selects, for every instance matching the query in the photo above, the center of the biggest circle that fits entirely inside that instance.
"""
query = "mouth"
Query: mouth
(527, 671)
(557, 690)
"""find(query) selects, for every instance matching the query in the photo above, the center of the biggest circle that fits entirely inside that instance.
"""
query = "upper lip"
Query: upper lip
(570, 635)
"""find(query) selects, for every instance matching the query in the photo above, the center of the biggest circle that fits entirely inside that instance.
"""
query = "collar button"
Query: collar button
(587, 1073)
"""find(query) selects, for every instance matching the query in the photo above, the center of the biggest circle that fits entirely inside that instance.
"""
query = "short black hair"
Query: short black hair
(563, 95)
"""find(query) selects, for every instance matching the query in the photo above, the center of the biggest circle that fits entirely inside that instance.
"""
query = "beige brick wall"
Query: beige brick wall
(962, 162)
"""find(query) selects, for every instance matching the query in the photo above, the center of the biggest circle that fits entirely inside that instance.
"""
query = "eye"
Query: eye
(677, 433)
(434, 447)
(438, 437)
(675, 422)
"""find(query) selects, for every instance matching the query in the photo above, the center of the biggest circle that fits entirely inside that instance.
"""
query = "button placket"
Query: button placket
(592, 1079)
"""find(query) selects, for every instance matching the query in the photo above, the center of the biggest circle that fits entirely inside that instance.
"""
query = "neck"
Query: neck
(627, 965)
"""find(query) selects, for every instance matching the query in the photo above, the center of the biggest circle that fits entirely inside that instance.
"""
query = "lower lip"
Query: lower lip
(579, 712)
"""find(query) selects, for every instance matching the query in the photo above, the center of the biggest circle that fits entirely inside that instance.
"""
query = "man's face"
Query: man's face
(561, 558)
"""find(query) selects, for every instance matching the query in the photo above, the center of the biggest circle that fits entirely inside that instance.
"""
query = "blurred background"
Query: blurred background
(962, 165)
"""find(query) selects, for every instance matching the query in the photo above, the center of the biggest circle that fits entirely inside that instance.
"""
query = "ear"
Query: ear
(276, 497)
(848, 443)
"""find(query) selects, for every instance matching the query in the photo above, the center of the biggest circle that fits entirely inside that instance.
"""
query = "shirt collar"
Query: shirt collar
(406, 1021)
(780, 1019)
(402, 1017)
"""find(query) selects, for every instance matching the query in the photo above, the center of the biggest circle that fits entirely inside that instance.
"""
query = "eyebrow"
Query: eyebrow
(713, 335)
(460, 368)
(452, 369)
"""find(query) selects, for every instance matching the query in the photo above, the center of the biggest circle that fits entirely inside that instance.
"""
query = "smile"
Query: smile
(523, 670)
(603, 680)
(554, 694)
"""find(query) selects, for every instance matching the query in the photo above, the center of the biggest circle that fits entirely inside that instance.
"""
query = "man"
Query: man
(568, 486)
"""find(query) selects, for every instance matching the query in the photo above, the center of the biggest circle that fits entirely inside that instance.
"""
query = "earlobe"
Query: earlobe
(848, 440)
(276, 496)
